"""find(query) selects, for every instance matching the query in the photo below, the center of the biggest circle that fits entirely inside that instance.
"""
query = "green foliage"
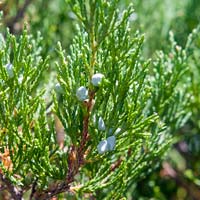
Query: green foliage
(23, 122)
(139, 103)
(156, 18)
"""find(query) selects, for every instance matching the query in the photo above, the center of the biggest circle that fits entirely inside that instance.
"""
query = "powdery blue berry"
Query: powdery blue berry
(118, 130)
(106, 145)
(82, 93)
(111, 142)
(20, 79)
(58, 88)
(9, 70)
(101, 124)
(102, 147)
(97, 78)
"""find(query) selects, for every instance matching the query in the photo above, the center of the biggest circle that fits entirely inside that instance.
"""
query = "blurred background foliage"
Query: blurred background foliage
(178, 176)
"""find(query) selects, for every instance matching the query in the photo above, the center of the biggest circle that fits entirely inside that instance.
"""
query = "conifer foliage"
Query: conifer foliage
(115, 110)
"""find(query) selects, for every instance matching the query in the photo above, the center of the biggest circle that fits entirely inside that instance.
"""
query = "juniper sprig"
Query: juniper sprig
(114, 111)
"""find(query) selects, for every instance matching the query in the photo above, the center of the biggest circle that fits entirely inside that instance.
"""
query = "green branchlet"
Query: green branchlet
(139, 104)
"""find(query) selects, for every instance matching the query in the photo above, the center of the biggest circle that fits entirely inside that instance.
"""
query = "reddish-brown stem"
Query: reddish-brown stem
(119, 161)
(85, 132)
(75, 158)
(76, 155)
(116, 164)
